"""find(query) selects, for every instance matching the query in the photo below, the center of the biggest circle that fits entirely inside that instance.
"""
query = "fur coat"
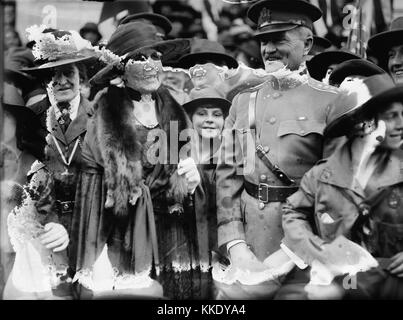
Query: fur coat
(121, 151)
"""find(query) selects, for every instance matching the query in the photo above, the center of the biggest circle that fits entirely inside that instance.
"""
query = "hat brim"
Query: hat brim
(57, 63)
(191, 59)
(345, 123)
(319, 64)
(313, 12)
(354, 67)
(275, 28)
(191, 106)
(382, 42)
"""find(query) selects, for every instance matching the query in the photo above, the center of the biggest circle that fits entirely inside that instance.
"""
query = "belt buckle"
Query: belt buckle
(265, 187)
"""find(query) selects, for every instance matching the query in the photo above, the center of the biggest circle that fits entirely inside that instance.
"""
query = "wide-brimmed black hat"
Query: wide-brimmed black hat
(382, 42)
(282, 15)
(206, 97)
(132, 37)
(16, 59)
(203, 50)
(364, 100)
(56, 48)
(90, 27)
(356, 67)
(319, 64)
(154, 18)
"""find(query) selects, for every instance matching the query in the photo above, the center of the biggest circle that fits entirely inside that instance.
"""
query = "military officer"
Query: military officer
(272, 136)
(388, 49)
(63, 115)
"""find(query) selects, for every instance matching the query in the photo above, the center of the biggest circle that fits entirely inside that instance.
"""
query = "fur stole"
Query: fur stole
(121, 151)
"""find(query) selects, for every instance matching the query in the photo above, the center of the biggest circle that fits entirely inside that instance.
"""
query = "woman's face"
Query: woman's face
(144, 72)
(208, 122)
(393, 118)
(9, 127)
(65, 83)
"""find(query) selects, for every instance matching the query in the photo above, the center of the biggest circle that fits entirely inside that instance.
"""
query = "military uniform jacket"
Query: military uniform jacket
(290, 119)
(320, 210)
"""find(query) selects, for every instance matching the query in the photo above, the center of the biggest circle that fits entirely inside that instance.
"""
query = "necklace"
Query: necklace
(149, 126)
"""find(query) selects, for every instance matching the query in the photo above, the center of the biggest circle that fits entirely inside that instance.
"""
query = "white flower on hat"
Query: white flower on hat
(48, 47)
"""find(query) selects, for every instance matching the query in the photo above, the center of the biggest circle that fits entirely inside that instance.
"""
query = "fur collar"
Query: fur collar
(121, 150)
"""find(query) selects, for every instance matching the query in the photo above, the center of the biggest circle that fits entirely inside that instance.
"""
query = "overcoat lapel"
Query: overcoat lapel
(78, 125)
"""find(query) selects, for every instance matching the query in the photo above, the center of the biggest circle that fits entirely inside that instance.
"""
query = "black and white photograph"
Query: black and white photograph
(201, 155)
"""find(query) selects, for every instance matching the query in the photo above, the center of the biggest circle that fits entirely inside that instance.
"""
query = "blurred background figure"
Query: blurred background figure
(11, 39)
(91, 33)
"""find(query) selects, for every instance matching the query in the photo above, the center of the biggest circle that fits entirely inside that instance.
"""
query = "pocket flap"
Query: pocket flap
(301, 128)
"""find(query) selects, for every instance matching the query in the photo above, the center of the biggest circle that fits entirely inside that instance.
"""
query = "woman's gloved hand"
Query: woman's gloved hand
(55, 237)
(188, 169)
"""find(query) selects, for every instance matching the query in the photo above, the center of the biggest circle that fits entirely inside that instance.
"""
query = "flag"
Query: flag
(360, 27)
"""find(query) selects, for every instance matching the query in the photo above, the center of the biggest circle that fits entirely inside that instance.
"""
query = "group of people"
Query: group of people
(272, 183)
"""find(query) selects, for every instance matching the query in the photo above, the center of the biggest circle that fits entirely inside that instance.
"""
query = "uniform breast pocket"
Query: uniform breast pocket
(300, 145)
(300, 128)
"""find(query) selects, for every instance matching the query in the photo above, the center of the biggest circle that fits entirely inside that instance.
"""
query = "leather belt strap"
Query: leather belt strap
(266, 193)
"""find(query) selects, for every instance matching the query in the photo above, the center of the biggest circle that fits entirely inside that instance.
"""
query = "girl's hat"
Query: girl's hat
(319, 64)
(356, 67)
(206, 97)
(203, 50)
(366, 98)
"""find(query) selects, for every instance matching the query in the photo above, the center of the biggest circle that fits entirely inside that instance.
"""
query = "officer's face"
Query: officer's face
(283, 49)
(144, 72)
(393, 118)
(395, 63)
(65, 83)
(208, 122)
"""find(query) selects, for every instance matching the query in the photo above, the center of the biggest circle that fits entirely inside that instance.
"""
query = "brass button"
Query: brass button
(272, 120)
(65, 206)
(302, 131)
(263, 177)
(302, 118)
(276, 95)
(261, 205)
(266, 149)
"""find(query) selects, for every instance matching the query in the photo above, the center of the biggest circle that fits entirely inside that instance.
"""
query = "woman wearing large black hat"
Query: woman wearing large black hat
(355, 193)
(388, 48)
(133, 196)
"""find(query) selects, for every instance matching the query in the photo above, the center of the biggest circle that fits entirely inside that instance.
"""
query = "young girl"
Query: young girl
(207, 110)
